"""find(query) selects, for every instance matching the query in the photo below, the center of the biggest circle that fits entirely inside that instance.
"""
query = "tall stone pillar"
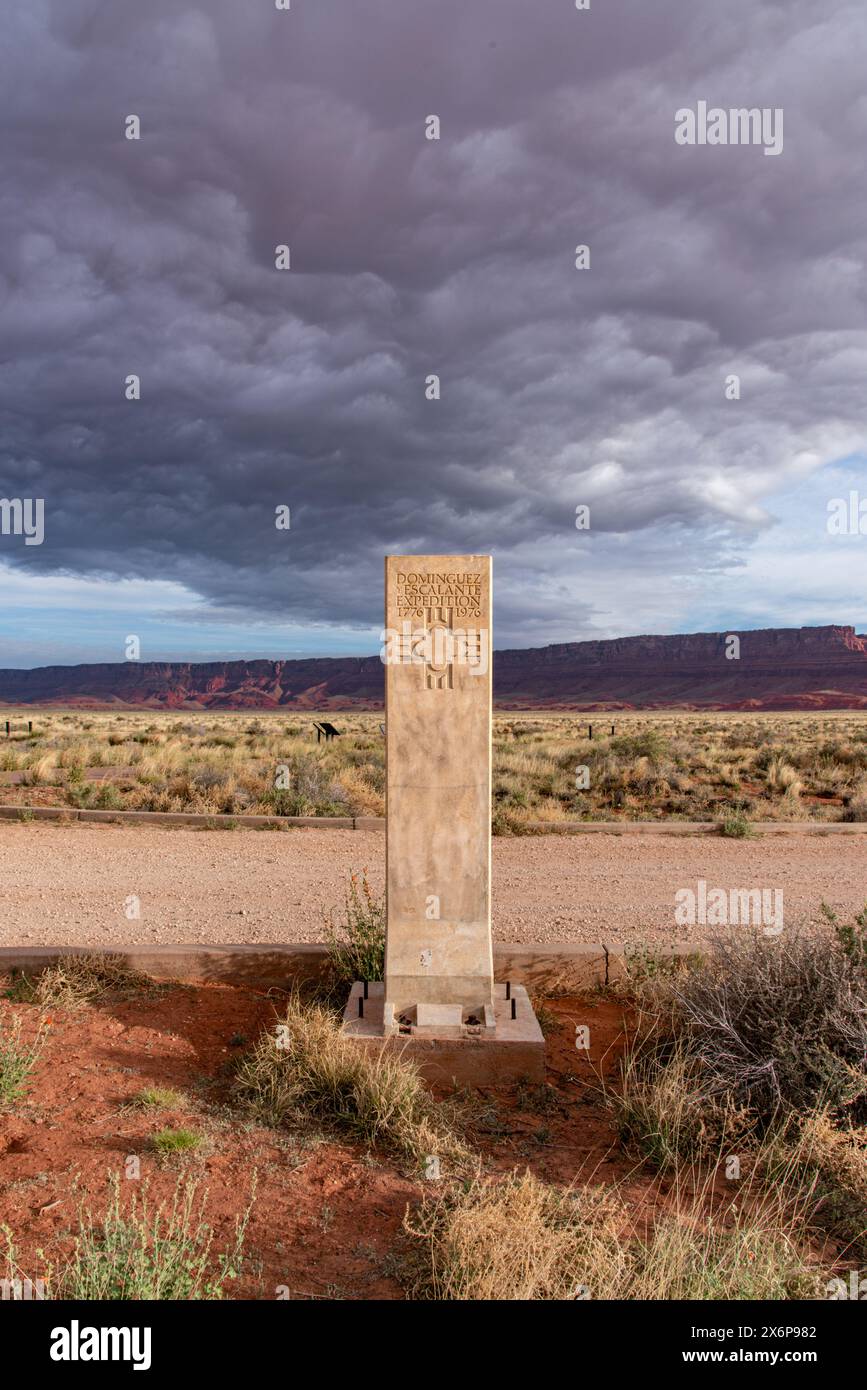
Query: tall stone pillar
(438, 959)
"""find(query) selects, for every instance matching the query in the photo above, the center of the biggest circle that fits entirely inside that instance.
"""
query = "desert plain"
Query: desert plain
(67, 884)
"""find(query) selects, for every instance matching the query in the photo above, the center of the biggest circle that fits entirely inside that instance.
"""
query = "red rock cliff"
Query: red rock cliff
(778, 668)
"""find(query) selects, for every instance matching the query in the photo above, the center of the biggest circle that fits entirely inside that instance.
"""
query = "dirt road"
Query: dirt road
(75, 885)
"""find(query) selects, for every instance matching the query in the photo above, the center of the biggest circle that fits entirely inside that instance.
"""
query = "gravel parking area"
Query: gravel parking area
(73, 885)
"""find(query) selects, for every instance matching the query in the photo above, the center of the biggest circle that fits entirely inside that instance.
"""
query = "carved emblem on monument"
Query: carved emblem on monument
(439, 670)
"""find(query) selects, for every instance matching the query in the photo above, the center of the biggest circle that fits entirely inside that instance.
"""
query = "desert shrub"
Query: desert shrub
(80, 795)
(521, 1240)
(755, 1050)
(17, 1060)
(851, 937)
(108, 798)
(368, 758)
(647, 777)
(645, 966)
(363, 789)
(306, 1069)
(313, 790)
(736, 826)
(777, 1024)
(855, 808)
(210, 777)
(102, 796)
(356, 945)
(647, 744)
(514, 1240)
(845, 752)
(582, 755)
(514, 799)
(501, 822)
(284, 801)
(150, 1254)
(828, 776)
(771, 753)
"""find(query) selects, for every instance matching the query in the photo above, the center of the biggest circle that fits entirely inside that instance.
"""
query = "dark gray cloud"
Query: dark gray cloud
(412, 257)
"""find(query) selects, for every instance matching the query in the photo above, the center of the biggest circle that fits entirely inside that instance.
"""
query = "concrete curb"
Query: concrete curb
(569, 827)
(555, 969)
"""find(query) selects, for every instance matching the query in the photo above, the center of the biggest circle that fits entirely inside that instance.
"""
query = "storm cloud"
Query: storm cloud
(412, 257)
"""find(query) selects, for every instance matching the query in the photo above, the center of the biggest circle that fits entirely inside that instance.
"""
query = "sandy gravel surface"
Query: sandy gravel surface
(68, 885)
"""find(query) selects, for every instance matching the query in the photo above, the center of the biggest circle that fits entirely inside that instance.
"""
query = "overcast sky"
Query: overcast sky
(410, 257)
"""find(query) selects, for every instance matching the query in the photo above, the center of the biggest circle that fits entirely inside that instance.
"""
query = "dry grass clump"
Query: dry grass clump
(663, 1110)
(83, 979)
(305, 1069)
(40, 769)
(160, 1098)
(782, 778)
(828, 1165)
(517, 1239)
(353, 787)
(168, 1142)
(520, 1240)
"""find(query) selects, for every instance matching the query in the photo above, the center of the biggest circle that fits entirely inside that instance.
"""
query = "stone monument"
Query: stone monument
(439, 1001)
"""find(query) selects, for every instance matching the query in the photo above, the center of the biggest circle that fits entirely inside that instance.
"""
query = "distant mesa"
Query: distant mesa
(778, 669)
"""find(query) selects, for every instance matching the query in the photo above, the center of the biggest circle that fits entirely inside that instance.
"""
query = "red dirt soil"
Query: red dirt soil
(326, 1217)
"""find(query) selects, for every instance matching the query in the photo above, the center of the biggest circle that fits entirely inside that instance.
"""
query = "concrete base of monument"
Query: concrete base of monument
(513, 1050)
